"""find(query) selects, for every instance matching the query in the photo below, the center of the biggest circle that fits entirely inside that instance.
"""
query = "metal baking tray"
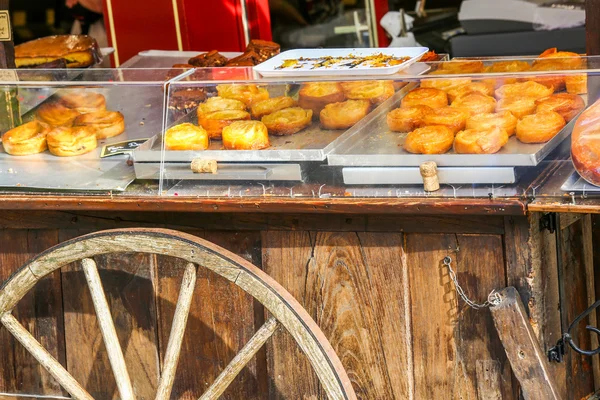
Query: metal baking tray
(575, 183)
(373, 144)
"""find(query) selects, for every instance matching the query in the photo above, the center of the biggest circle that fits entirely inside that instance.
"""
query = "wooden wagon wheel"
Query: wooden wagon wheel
(285, 310)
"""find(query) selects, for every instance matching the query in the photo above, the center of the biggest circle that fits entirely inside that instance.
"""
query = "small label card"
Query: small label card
(125, 147)
(5, 31)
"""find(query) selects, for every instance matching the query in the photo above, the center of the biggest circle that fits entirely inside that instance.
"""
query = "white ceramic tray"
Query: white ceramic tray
(270, 67)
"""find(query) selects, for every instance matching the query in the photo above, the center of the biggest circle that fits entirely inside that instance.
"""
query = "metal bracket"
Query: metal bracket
(548, 222)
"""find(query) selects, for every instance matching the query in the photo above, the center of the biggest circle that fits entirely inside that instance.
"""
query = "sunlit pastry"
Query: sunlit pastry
(434, 98)
(287, 121)
(107, 123)
(445, 84)
(375, 91)
(434, 139)
(566, 104)
(214, 122)
(504, 120)
(269, 106)
(539, 127)
(405, 119)
(566, 59)
(463, 67)
(55, 114)
(83, 102)
(479, 87)
(557, 82)
(476, 141)
(186, 136)
(345, 114)
(29, 138)
(213, 104)
(246, 135)
(576, 84)
(506, 67)
(317, 95)
(524, 89)
(450, 117)
(475, 103)
(248, 94)
(68, 142)
(518, 106)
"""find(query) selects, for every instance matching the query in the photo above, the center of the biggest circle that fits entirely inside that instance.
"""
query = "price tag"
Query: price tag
(125, 147)
(8, 75)
(5, 31)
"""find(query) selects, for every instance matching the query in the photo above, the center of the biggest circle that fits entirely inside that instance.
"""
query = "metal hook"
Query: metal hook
(556, 353)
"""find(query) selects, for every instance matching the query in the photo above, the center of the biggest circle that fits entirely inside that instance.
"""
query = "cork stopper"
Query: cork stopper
(201, 166)
(429, 172)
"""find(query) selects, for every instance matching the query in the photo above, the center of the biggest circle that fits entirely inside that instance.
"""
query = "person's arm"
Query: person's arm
(92, 5)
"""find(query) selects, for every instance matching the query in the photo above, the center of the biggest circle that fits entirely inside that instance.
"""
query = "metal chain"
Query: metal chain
(492, 300)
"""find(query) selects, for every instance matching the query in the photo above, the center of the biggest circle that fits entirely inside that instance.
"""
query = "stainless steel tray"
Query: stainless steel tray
(576, 183)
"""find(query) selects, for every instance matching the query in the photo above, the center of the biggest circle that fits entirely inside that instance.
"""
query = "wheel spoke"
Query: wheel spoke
(107, 327)
(240, 360)
(46, 359)
(182, 311)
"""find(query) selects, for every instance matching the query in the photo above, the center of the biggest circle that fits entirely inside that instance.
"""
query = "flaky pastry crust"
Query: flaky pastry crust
(504, 120)
(539, 127)
(434, 98)
(518, 106)
(29, 138)
(434, 139)
(68, 142)
(477, 141)
(405, 119)
(246, 135)
(247, 94)
(345, 114)
(375, 91)
(316, 95)
(83, 102)
(214, 122)
(475, 103)
(107, 123)
(186, 136)
(566, 104)
(450, 117)
(271, 105)
(55, 114)
(287, 121)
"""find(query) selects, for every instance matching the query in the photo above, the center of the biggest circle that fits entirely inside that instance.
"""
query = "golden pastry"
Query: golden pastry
(68, 142)
(434, 98)
(479, 87)
(556, 82)
(434, 139)
(317, 95)
(246, 135)
(539, 127)
(287, 121)
(524, 89)
(576, 84)
(29, 138)
(269, 106)
(445, 84)
(567, 105)
(450, 117)
(213, 104)
(345, 114)
(405, 119)
(107, 123)
(506, 67)
(214, 122)
(78, 51)
(564, 60)
(55, 114)
(475, 103)
(83, 102)
(247, 94)
(504, 120)
(463, 67)
(375, 91)
(518, 106)
(186, 136)
(476, 141)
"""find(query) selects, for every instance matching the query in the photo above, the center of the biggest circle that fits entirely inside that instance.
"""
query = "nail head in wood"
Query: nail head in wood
(429, 173)
(200, 166)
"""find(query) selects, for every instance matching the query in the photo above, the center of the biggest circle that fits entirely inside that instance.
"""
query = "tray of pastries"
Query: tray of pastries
(468, 122)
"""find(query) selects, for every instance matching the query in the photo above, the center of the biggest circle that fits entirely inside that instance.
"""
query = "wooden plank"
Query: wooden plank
(40, 311)
(7, 47)
(529, 362)
(592, 27)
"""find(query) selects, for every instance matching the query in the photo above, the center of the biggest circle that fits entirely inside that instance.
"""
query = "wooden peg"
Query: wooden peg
(201, 166)
(429, 173)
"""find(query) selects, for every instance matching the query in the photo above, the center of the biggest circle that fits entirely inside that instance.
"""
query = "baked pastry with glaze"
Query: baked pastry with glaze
(479, 87)
(585, 144)
(576, 84)
(213, 104)
(269, 106)
(524, 89)
(287, 121)
(557, 82)
(476, 141)
(539, 127)
(463, 66)
(29, 138)
(405, 119)
(518, 106)
(214, 122)
(564, 60)
(375, 91)
(79, 51)
(434, 98)
(434, 139)
(504, 120)
(106, 123)
(566, 104)
(445, 84)
(316, 95)
(68, 142)
(247, 94)
(83, 102)
(506, 67)
(246, 135)
(55, 114)
(186, 136)
(450, 117)
(345, 114)
(475, 103)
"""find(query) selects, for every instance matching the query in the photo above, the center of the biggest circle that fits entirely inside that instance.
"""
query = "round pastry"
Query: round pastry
(246, 135)
(434, 139)
(214, 122)
(315, 96)
(475, 103)
(557, 82)
(186, 136)
(107, 123)
(444, 83)
(29, 138)
(269, 106)
(287, 121)
(434, 98)
(405, 119)
(375, 91)
(84, 102)
(567, 105)
(524, 89)
(55, 114)
(518, 106)
(219, 104)
(345, 114)
(479, 87)
(539, 127)
(463, 67)
(248, 94)
(67, 142)
(576, 84)
(476, 141)
(450, 117)
(507, 67)
(504, 120)
(564, 60)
